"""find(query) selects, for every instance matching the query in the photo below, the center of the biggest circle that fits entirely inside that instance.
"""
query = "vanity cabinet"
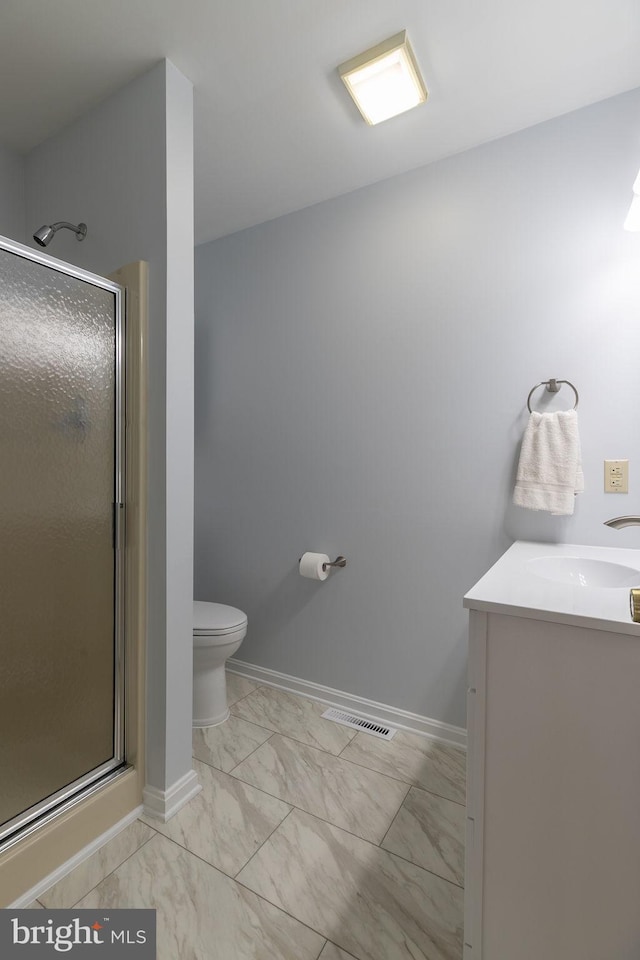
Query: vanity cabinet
(553, 794)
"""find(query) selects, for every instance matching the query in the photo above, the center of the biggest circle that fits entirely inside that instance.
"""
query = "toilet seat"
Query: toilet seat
(216, 623)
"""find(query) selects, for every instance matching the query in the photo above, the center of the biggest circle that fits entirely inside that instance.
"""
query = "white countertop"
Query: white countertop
(510, 587)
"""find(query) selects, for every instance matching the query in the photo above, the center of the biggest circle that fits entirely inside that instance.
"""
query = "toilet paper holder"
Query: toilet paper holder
(338, 562)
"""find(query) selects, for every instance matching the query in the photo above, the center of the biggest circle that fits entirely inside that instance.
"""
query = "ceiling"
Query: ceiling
(275, 130)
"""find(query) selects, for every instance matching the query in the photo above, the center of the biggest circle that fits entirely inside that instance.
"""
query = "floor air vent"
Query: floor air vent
(359, 723)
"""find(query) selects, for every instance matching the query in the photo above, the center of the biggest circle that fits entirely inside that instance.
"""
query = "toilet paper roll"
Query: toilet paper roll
(311, 566)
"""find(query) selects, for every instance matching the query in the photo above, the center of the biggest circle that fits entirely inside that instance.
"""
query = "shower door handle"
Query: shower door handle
(118, 526)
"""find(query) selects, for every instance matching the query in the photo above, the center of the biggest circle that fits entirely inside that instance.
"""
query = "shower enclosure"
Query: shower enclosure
(61, 562)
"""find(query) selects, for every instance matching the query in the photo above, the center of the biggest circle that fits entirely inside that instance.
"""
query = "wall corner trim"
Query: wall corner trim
(163, 804)
(371, 709)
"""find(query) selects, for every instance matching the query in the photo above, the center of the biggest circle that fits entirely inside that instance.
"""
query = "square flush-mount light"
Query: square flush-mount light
(384, 80)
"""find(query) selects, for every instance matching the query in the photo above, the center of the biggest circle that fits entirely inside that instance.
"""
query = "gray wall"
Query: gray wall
(362, 368)
(125, 168)
(12, 197)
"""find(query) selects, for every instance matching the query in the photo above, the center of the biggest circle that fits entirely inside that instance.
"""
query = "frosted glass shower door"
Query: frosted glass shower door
(60, 604)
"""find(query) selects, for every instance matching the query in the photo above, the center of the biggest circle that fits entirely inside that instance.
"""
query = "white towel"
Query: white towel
(550, 468)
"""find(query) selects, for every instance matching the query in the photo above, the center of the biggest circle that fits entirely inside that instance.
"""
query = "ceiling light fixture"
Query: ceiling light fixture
(632, 222)
(384, 80)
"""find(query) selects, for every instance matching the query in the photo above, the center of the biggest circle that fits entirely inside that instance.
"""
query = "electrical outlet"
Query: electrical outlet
(616, 476)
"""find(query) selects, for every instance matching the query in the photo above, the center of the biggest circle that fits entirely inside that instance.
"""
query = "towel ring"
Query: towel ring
(552, 387)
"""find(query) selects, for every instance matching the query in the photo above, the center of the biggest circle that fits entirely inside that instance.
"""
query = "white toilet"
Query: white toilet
(218, 631)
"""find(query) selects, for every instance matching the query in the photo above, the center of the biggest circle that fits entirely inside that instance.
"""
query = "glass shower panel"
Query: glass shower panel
(57, 574)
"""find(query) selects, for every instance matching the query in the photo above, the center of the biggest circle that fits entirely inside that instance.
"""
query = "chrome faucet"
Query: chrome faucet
(618, 522)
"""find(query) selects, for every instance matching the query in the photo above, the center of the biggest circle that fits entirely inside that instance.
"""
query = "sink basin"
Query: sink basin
(584, 572)
(570, 583)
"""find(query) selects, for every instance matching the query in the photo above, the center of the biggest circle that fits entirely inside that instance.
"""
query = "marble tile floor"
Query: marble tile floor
(308, 841)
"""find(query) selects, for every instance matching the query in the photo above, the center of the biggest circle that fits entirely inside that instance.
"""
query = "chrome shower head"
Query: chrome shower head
(46, 233)
(44, 236)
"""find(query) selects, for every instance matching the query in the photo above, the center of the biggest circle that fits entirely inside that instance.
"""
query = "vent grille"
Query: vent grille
(359, 723)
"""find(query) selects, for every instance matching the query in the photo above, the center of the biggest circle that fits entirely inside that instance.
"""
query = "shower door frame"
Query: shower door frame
(35, 816)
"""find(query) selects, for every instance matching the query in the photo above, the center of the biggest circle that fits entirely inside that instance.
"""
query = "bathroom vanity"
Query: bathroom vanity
(553, 794)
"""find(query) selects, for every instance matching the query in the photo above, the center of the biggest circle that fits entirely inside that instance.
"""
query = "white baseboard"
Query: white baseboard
(43, 885)
(380, 712)
(163, 804)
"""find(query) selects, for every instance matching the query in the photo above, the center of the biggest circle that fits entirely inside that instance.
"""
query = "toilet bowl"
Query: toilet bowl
(218, 631)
